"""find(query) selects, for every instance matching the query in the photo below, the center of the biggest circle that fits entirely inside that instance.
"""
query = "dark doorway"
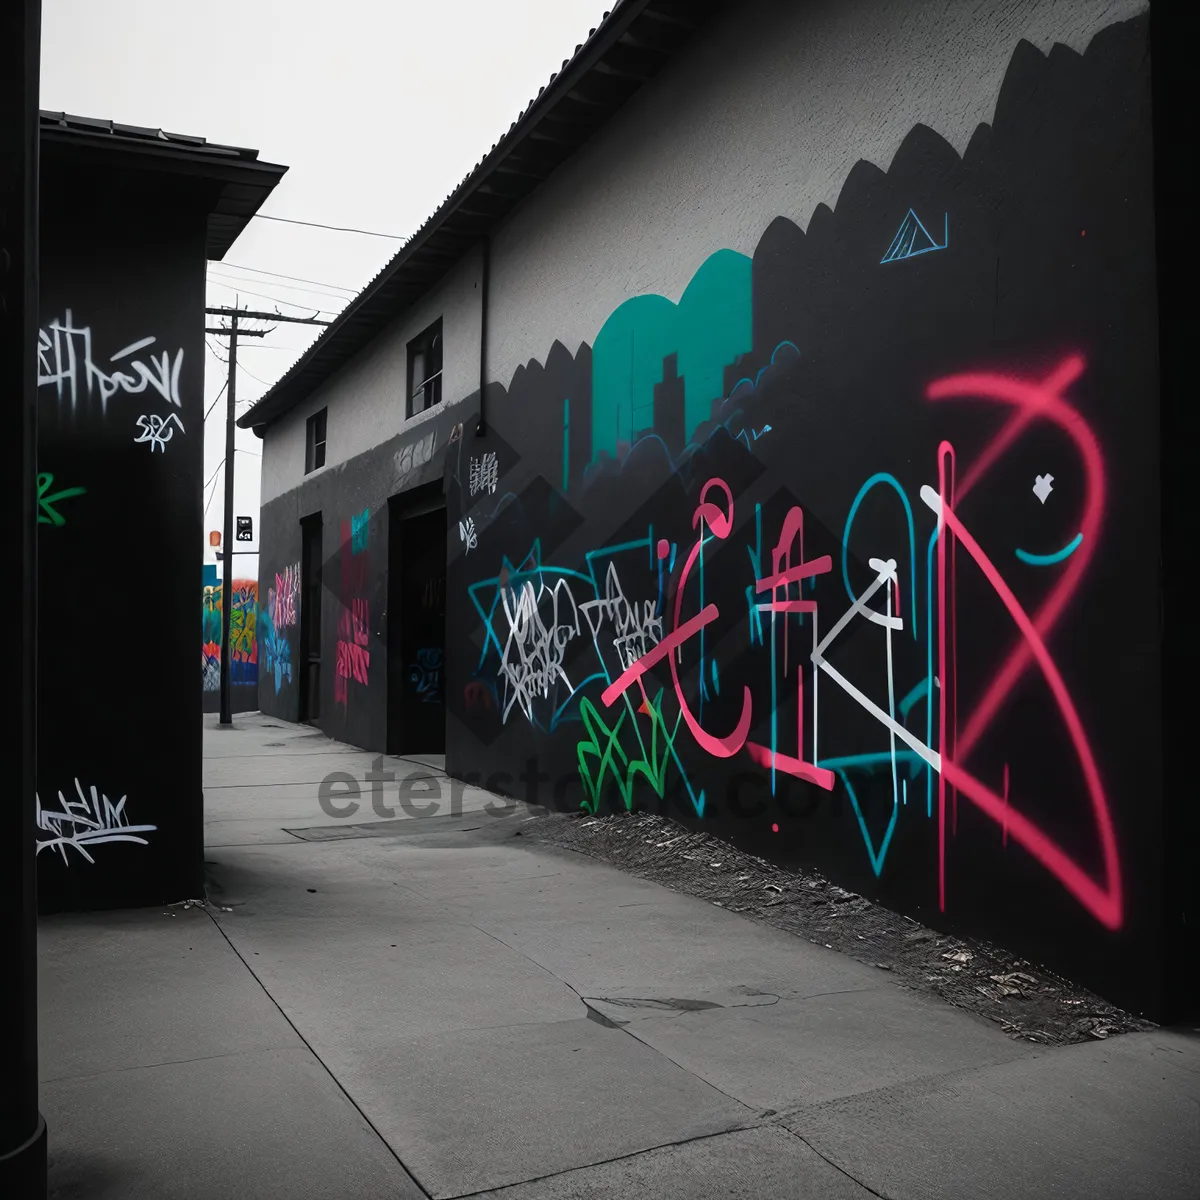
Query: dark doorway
(417, 622)
(310, 617)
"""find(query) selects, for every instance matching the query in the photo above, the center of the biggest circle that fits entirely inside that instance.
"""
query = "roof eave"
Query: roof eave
(579, 76)
(245, 181)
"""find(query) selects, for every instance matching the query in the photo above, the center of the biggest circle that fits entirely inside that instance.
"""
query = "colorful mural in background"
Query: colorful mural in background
(243, 642)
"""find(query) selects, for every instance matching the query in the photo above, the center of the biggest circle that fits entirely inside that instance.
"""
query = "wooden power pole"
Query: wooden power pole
(233, 331)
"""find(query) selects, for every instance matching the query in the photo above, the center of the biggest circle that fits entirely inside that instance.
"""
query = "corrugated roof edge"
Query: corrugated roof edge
(101, 127)
(613, 24)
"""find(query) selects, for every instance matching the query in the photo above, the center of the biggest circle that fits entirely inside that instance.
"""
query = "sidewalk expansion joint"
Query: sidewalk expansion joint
(325, 1066)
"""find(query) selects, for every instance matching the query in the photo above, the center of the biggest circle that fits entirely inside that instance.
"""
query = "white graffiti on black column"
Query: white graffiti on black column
(158, 430)
(65, 362)
(92, 820)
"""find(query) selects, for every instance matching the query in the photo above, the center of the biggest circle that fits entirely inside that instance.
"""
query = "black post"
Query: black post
(22, 1130)
(227, 535)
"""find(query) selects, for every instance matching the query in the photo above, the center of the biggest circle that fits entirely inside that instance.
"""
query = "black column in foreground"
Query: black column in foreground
(22, 1130)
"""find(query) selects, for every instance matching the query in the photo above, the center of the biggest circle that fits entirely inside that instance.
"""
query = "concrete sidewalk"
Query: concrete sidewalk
(426, 1007)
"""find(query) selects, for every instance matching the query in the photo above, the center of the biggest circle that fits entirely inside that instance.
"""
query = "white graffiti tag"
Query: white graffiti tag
(467, 535)
(157, 430)
(534, 653)
(65, 361)
(638, 628)
(484, 474)
(91, 820)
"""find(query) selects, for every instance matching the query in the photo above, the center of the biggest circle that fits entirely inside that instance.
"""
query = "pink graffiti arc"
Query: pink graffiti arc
(1032, 400)
(720, 521)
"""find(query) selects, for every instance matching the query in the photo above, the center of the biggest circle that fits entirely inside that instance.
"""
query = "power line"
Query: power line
(296, 278)
(214, 474)
(214, 403)
(243, 367)
(264, 296)
(336, 228)
(211, 495)
(287, 287)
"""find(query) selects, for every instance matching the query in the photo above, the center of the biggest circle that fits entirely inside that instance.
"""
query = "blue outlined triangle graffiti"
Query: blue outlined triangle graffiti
(912, 238)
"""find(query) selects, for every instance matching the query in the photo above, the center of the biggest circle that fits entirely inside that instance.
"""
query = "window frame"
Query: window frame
(421, 346)
(311, 444)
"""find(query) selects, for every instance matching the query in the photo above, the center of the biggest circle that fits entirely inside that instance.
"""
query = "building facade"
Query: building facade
(129, 218)
(792, 445)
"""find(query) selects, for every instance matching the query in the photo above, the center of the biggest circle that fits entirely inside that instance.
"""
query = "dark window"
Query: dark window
(314, 442)
(425, 370)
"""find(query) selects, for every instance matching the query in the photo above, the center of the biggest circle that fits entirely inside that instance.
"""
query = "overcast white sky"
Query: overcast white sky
(379, 107)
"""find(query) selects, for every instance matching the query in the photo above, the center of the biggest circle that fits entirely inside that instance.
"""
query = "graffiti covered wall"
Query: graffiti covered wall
(243, 642)
(843, 542)
(120, 377)
(352, 499)
(850, 553)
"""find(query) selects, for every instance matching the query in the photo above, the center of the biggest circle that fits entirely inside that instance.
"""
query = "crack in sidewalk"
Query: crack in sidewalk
(840, 1169)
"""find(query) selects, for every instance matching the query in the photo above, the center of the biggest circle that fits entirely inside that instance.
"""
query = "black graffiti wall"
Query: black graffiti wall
(351, 502)
(120, 455)
(852, 553)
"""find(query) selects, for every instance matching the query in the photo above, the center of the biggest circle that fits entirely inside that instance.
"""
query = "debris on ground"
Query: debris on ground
(205, 904)
(1029, 1003)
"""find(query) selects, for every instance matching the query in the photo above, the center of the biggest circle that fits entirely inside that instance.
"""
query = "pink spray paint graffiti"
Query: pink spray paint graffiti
(1033, 400)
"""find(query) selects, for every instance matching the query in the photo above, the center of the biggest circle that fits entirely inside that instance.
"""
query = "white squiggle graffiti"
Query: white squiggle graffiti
(484, 474)
(60, 364)
(157, 430)
(89, 821)
(283, 599)
(639, 629)
(534, 652)
(467, 535)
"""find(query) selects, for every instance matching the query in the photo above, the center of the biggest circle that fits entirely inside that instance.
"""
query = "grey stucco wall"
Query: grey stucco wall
(366, 398)
(762, 117)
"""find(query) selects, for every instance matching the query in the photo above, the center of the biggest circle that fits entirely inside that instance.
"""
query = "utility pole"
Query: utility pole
(227, 527)
(233, 331)
(22, 1129)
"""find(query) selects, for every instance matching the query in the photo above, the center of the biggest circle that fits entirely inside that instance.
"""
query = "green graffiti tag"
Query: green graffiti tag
(47, 513)
(603, 748)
